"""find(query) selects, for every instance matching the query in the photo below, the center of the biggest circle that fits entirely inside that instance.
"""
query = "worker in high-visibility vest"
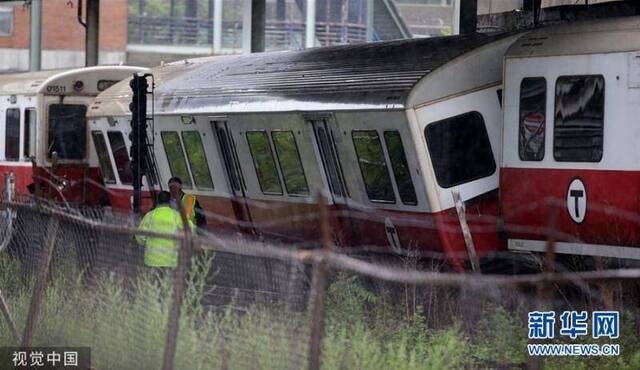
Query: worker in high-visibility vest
(189, 202)
(158, 251)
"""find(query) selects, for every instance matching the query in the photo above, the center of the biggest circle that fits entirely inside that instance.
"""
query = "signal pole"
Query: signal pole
(138, 135)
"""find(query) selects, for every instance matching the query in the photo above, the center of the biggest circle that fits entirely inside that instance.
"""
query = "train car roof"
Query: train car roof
(31, 83)
(26, 83)
(586, 37)
(359, 76)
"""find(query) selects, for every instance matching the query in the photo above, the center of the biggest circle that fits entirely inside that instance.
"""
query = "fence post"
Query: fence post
(544, 290)
(9, 187)
(184, 256)
(41, 278)
(7, 316)
(466, 231)
(318, 285)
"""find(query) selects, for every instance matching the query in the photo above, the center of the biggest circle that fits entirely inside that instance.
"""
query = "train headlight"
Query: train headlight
(78, 86)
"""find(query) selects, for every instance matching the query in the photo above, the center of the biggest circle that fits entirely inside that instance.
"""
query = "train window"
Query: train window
(290, 162)
(332, 163)
(579, 119)
(197, 159)
(263, 161)
(460, 149)
(12, 135)
(67, 131)
(103, 157)
(533, 103)
(400, 167)
(175, 156)
(373, 166)
(121, 156)
(29, 138)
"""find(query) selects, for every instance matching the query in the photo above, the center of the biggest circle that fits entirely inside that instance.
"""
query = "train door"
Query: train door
(342, 222)
(237, 186)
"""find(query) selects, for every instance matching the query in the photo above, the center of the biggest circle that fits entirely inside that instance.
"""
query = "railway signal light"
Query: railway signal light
(138, 107)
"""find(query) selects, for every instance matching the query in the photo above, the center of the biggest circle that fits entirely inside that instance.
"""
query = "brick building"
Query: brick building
(63, 37)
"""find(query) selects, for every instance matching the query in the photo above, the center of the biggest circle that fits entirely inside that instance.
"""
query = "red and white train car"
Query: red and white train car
(571, 113)
(45, 112)
(389, 130)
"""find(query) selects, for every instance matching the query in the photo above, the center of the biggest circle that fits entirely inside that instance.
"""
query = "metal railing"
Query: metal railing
(184, 31)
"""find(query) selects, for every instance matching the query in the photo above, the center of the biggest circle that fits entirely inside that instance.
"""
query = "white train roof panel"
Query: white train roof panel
(64, 82)
(587, 37)
(360, 76)
(27, 83)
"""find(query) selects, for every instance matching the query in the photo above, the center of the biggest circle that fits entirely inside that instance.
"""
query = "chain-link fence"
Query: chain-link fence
(77, 277)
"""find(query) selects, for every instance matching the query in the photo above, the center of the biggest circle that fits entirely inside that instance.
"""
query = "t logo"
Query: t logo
(577, 200)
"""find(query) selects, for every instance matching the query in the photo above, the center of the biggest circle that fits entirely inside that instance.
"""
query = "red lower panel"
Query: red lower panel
(352, 227)
(612, 208)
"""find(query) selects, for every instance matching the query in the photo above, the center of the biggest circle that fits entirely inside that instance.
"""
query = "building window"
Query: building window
(579, 119)
(263, 161)
(6, 21)
(175, 156)
(121, 156)
(533, 102)
(460, 149)
(197, 159)
(290, 164)
(68, 131)
(12, 135)
(373, 166)
(103, 157)
(400, 167)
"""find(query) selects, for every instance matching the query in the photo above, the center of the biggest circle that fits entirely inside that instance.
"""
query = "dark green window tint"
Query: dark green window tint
(290, 163)
(263, 161)
(373, 166)
(103, 157)
(197, 159)
(400, 167)
(175, 156)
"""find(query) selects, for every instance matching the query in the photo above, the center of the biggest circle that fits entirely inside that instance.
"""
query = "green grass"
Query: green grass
(124, 324)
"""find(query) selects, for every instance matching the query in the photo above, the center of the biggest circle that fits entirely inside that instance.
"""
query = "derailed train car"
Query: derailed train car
(394, 132)
(42, 113)
(570, 145)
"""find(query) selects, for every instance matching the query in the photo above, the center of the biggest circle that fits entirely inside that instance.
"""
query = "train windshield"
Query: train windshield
(460, 149)
(67, 131)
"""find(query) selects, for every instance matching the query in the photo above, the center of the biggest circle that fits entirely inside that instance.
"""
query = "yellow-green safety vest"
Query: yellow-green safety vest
(160, 252)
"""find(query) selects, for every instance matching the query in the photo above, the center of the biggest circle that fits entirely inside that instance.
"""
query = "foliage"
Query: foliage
(124, 323)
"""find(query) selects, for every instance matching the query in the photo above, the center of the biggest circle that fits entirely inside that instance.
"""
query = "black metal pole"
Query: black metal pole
(258, 25)
(468, 16)
(92, 48)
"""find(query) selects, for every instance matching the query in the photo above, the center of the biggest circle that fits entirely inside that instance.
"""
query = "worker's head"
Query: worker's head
(164, 197)
(175, 187)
